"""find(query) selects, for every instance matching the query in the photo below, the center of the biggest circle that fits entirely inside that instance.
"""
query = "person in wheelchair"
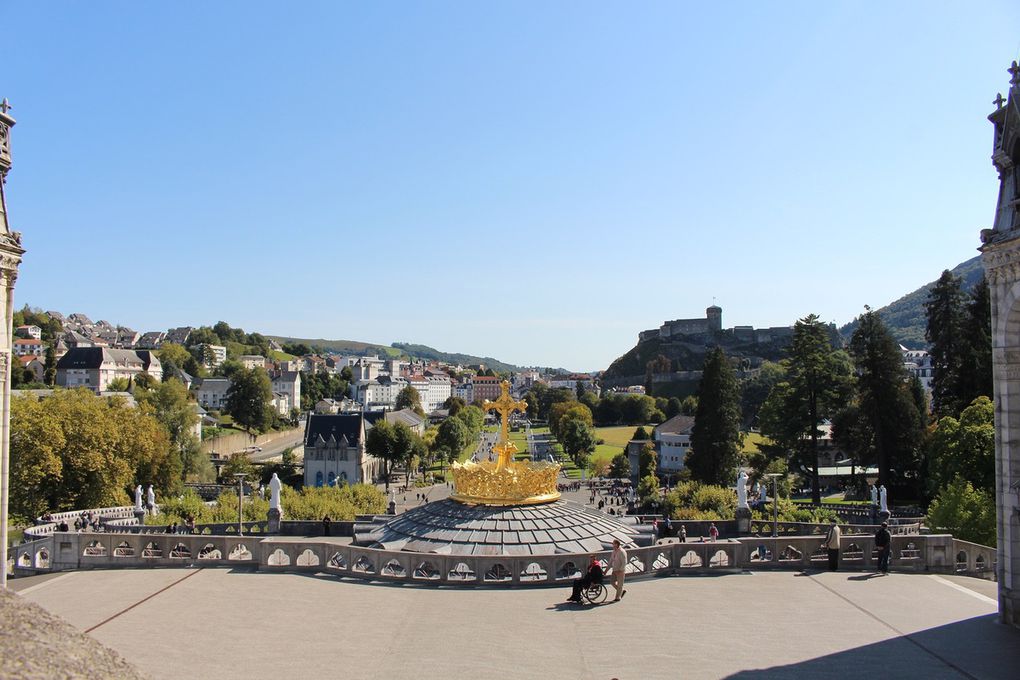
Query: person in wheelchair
(592, 576)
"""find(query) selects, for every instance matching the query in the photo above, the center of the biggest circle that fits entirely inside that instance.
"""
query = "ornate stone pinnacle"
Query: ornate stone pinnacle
(5, 106)
(1014, 72)
(998, 101)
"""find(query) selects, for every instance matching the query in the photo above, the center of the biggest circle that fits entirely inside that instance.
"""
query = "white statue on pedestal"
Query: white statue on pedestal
(742, 490)
(151, 500)
(274, 487)
(763, 493)
(138, 498)
(874, 495)
(883, 499)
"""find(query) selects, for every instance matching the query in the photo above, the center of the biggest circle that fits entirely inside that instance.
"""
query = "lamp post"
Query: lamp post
(240, 501)
(775, 501)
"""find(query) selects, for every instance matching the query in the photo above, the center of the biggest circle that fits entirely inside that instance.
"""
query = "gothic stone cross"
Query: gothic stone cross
(5, 106)
(1014, 72)
(998, 101)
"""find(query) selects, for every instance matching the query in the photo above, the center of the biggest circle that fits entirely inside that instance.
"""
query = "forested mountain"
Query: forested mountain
(905, 317)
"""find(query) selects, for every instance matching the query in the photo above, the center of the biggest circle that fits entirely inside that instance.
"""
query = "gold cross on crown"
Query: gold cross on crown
(505, 406)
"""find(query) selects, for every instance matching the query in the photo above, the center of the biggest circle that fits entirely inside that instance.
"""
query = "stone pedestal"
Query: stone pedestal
(874, 513)
(140, 516)
(274, 516)
(883, 516)
(743, 521)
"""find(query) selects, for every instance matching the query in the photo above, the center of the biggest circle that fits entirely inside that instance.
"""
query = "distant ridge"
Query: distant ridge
(397, 349)
(905, 317)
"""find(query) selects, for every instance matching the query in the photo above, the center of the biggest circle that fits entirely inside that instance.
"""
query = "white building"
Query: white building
(214, 355)
(252, 361)
(433, 390)
(380, 394)
(211, 393)
(96, 367)
(24, 347)
(673, 441)
(288, 382)
(29, 331)
(918, 363)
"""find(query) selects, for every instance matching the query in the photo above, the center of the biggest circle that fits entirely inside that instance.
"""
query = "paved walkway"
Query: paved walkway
(239, 624)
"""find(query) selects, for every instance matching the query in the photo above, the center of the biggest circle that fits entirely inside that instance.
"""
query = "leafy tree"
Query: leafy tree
(119, 385)
(619, 468)
(674, 407)
(299, 349)
(143, 381)
(455, 404)
(173, 356)
(648, 490)
(964, 448)
(248, 399)
(816, 385)
(648, 461)
(452, 437)
(965, 512)
(473, 418)
(883, 426)
(393, 443)
(755, 390)
(589, 399)
(689, 406)
(640, 434)
(948, 347)
(564, 410)
(409, 398)
(715, 439)
(637, 409)
(75, 450)
(170, 404)
(238, 463)
(578, 439)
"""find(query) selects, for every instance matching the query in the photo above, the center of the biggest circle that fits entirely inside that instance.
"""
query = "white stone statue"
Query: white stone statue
(763, 493)
(150, 497)
(874, 495)
(742, 490)
(883, 499)
(138, 498)
(274, 488)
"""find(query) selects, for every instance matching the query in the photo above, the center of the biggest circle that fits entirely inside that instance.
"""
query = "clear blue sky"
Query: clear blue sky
(531, 181)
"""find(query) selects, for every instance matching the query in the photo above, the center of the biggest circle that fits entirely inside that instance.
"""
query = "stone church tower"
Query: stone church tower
(10, 258)
(1001, 259)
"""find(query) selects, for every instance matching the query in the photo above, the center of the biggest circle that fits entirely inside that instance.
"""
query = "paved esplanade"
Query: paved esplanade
(220, 623)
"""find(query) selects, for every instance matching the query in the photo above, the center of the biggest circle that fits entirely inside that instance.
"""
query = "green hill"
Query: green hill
(905, 317)
(398, 349)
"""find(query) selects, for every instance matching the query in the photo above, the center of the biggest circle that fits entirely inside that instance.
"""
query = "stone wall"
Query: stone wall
(233, 443)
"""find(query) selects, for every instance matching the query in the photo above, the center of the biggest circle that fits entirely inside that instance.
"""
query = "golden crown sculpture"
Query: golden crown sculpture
(505, 481)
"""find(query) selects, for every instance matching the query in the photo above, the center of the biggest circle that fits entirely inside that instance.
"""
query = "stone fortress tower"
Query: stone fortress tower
(10, 257)
(1000, 255)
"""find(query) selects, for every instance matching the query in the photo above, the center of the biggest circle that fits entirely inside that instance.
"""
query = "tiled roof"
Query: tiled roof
(452, 528)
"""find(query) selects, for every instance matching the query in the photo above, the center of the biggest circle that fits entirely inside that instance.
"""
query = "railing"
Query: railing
(973, 559)
(68, 551)
(763, 528)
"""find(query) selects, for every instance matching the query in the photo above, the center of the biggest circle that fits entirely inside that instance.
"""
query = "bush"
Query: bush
(694, 500)
(965, 512)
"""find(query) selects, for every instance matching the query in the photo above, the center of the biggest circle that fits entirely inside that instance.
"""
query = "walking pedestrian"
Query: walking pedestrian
(618, 563)
(832, 545)
(883, 542)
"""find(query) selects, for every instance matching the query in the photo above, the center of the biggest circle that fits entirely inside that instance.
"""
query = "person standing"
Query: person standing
(832, 545)
(883, 543)
(618, 563)
(326, 521)
(683, 533)
(713, 532)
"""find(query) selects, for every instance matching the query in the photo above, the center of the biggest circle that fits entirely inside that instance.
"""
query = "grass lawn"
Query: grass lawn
(751, 441)
(617, 436)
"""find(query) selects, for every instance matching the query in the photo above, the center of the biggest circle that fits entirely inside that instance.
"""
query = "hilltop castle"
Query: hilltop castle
(711, 325)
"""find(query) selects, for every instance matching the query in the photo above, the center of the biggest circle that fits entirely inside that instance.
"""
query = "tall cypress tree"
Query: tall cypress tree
(817, 383)
(978, 335)
(944, 310)
(887, 425)
(715, 438)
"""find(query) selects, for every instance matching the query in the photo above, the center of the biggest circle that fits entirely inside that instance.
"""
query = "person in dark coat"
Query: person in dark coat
(593, 575)
(326, 521)
(883, 543)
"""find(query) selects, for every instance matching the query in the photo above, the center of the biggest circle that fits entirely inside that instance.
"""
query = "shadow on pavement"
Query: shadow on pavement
(974, 648)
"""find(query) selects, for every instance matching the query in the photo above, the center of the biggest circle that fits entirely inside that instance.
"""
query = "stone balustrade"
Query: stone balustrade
(63, 551)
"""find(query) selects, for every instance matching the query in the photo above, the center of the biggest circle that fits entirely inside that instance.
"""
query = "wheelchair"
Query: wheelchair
(594, 593)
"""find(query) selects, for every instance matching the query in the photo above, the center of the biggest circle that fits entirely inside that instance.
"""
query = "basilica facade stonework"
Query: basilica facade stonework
(1001, 259)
